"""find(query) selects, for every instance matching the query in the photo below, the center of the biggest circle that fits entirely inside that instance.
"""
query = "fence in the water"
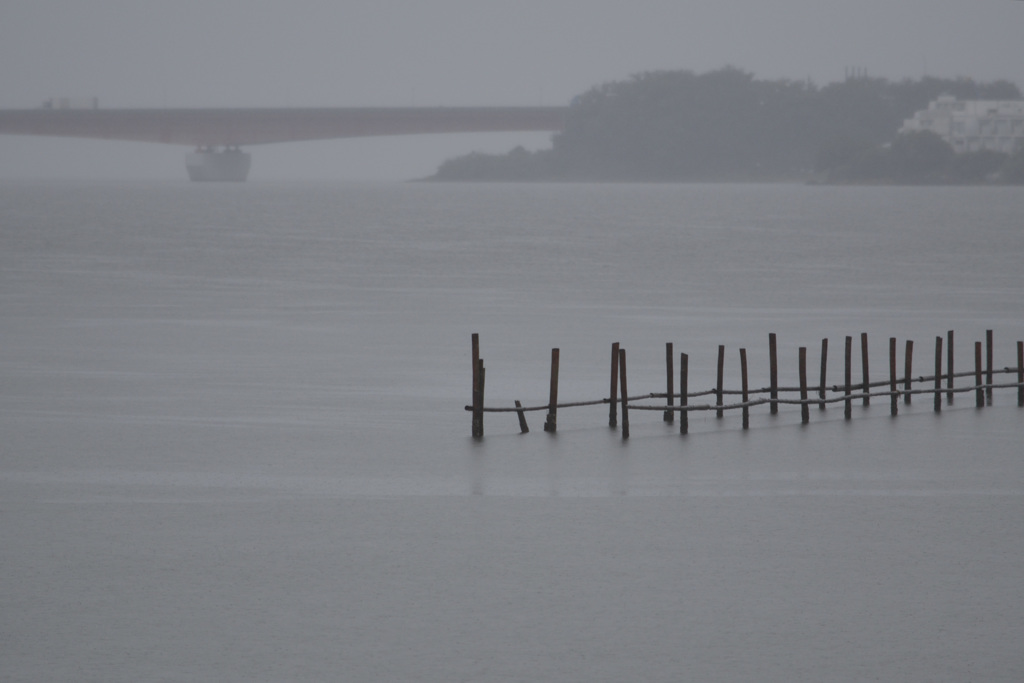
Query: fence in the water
(895, 387)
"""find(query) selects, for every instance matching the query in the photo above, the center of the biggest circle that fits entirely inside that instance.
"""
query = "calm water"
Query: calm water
(234, 444)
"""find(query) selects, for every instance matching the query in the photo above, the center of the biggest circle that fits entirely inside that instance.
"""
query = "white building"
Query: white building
(972, 125)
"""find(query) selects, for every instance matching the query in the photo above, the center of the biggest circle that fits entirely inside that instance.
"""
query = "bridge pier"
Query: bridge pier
(207, 163)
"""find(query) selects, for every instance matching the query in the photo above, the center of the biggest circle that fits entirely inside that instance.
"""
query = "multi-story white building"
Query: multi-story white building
(973, 125)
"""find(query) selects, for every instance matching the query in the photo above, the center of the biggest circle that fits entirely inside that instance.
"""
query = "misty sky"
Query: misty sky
(217, 53)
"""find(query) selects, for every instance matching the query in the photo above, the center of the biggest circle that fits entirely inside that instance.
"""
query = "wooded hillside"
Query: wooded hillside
(724, 125)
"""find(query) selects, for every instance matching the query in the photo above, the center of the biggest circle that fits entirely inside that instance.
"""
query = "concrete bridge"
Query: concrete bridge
(218, 134)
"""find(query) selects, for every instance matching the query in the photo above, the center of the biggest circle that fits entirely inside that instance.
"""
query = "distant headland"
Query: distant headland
(727, 126)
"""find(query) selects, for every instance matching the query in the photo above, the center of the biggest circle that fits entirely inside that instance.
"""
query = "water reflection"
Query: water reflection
(917, 453)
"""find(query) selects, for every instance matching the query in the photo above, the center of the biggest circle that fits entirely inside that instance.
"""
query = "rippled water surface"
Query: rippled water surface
(234, 444)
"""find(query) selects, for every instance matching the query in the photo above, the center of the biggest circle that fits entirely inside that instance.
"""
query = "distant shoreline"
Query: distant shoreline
(725, 126)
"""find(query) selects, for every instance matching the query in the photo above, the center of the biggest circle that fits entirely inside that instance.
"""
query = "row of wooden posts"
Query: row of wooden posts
(618, 394)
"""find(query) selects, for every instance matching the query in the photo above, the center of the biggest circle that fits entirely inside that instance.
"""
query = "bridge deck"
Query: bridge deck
(261, 126)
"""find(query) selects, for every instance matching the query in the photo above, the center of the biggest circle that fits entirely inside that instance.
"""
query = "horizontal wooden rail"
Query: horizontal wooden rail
(764, 401)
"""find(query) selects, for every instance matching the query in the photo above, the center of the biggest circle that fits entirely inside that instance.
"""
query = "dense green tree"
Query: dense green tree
(977, 167)
(517, 165)
(919, 157)
(1013, 169)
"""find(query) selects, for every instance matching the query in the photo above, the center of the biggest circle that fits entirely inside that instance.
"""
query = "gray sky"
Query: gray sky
(217, 53)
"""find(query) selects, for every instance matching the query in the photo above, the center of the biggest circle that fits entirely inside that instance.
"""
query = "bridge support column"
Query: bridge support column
(210, 164)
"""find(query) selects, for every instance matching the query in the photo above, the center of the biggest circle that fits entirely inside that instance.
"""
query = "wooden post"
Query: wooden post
(848, 407)
(893, 400)
(721, 379)
(743, 380)
(773, 369)
(864, 367)
(684, 379)
(669, 415)
(523, 427)
(477, 420)
(476, 355)
(909, 365)
(988, 366)
(824, 362)
(980, 395)
(551, 425)
(1020, 373)
(613, 393)
(938, 374)
(478, 401)
(949, 367)
(805, 409)
(625, 395)
(483, 383)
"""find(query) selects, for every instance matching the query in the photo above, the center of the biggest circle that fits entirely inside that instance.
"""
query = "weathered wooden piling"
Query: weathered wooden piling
(669, 415)
(980, 397)
(848, 405)
(988, 366)
(824, 366)
(805, 409)
(907, 379)
(1020, 373)
(624, 393)
(551, 425)
(745, 388)
(613, 393)
(984, 372)
(864, 367)
(949, 367)
(684, 380)
(476, 354)
(478, 415)
(721, 379)
(893, 397)
(478, 400)
(773, 369)
(523, 427)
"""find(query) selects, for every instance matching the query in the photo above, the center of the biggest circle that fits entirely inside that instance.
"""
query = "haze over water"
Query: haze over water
(235, 446)
(405, 53)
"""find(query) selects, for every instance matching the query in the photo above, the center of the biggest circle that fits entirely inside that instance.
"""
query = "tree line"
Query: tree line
(726, 125)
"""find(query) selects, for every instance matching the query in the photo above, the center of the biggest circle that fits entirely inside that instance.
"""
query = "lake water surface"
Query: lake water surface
(233, 444)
